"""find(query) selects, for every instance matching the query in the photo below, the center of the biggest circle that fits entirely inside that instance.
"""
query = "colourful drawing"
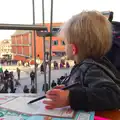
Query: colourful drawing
(47, 118)
(7, 115)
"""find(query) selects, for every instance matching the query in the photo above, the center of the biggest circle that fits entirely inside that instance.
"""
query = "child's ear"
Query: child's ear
(74, 49)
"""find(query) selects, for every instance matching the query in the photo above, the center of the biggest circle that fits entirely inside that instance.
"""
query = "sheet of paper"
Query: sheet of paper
(20, 105)
(38, 108)
(19, 95)
(4, 99)
(58, 112)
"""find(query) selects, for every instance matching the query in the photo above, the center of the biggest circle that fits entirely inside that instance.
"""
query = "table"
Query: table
(113, 115)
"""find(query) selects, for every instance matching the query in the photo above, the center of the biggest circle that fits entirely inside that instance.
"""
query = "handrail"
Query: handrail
(22, 27)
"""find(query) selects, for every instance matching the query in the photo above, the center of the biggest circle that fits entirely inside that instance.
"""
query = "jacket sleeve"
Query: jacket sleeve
(100, 92)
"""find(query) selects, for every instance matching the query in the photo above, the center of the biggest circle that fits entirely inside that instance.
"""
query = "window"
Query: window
(55, 29)
(63, 43)
(44, 30)
(24, 38)
(39, 33)
(60, 54)
(55, 42)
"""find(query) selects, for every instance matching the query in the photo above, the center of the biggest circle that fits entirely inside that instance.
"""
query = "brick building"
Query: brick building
(5, 49)
(23, 44)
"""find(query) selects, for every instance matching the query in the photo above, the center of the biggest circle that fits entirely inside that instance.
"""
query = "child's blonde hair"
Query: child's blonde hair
(90, 31)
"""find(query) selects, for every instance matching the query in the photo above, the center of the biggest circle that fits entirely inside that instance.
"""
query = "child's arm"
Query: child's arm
(100, 93)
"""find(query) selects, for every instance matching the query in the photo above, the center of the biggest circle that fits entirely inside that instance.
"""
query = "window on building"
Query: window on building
(24, 38)
(63, 43)
(45, 30)
(55, 29)
(40, 32)
(60, 54)
(55, 42)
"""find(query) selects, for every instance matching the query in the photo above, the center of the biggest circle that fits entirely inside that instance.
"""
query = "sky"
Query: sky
(20, 11)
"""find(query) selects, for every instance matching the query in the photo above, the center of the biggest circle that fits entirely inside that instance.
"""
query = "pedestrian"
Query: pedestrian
(67, 65)
(61, 65)
(42, 68)
(55, 65)
(58, 81)
(18, 73)
(45, 88)
(26, 90)
(53, 84)
(32, 76)
(5, 86)
(33, 89)
(6, 74)
(11, 75)
(11, 85)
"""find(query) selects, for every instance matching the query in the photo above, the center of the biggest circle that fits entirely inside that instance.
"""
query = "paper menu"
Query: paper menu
(38, 108)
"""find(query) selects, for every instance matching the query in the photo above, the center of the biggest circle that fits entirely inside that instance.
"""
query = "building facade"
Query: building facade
(5, 49)
(23, 44)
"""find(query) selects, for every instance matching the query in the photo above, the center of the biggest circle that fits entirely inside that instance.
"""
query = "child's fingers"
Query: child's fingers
(48, 102)
(49, 107)
(59, 87)
(52, 97)
(55, 92)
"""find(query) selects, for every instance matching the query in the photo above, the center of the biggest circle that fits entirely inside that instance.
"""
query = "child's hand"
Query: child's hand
(59, 98)
(59, 87)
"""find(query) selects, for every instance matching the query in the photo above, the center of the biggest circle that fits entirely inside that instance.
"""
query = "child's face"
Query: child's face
(69, 50)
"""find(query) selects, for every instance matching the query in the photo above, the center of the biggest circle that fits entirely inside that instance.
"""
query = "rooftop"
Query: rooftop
(20, 32)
